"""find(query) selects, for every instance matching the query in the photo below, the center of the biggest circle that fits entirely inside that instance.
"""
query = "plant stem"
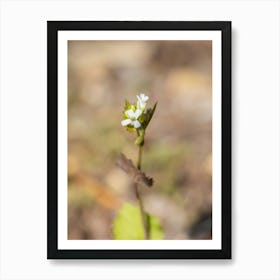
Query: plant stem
(143, 217)
(139, 157)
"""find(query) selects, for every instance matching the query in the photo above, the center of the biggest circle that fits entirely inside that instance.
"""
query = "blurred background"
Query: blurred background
(178, 142)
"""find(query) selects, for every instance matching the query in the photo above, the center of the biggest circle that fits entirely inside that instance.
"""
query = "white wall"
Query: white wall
(255, 139)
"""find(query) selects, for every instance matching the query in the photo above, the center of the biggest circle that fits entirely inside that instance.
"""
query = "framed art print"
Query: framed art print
(139, 140)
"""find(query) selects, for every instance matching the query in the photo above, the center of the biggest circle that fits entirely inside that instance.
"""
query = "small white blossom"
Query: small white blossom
(132, 117)
(142, 101)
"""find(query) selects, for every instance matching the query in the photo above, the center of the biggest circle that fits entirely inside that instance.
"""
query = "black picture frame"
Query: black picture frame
(52, 87)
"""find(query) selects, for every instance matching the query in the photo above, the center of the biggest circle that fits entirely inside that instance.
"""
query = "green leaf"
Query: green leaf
(128, 224)
(148, 115)
(130, 128)
(127, 104)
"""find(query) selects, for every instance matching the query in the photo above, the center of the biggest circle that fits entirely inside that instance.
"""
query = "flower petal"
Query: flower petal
(139, 98)
(140, 105)
(136, 124)
(144, 97)
(126, 122)
(137, 113)
(130, 113)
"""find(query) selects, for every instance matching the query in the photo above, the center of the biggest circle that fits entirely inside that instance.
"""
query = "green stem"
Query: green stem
(143, 216)
(139, 157)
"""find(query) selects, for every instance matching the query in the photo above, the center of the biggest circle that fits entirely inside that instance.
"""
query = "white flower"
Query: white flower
(142, 101)
(132, 117)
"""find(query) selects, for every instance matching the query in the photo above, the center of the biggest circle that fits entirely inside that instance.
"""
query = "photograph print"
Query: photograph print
(139, 146)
